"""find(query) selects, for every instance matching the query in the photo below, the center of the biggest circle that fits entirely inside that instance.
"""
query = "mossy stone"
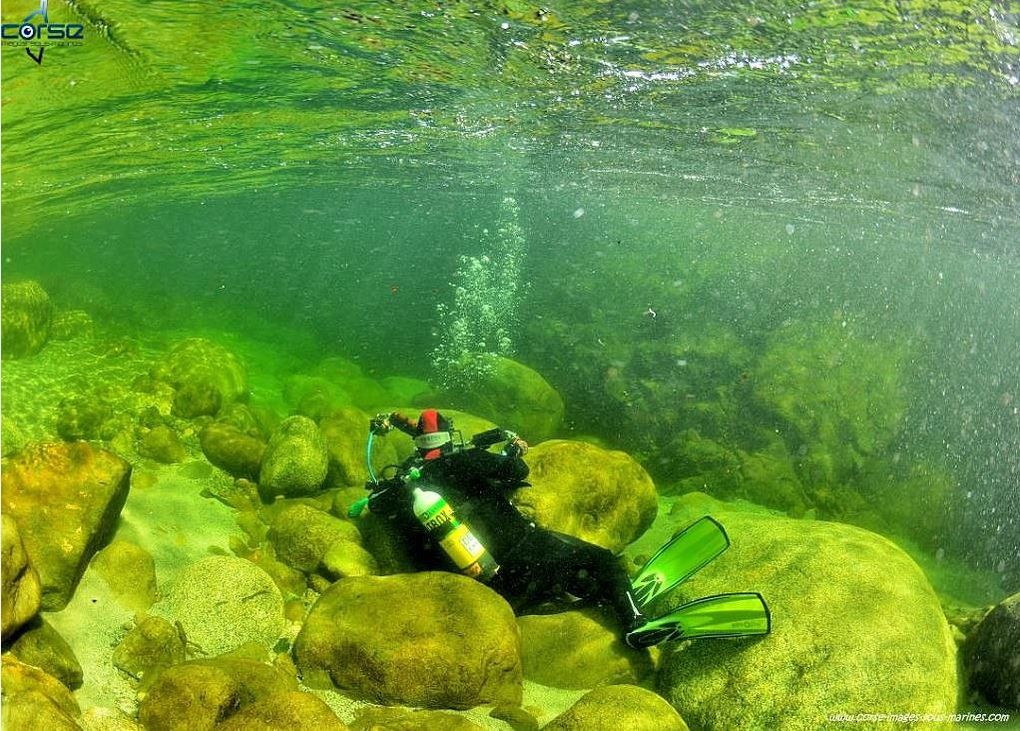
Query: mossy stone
(992, 654)
(66, 498)
(162, 444)
(152, 643)
(284, 710)
(21, 590)
(206, 376)
(614, 707)
(33, 699)
(604, 497)
(232, 450)
(27, 316)
(296, 460)
(301, 536)
(431, 639)
(578, 650)
(404, 719)
(42, 646)
(835, 591)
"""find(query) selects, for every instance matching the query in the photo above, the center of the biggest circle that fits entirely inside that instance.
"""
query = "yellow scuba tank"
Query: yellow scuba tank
(460, 544)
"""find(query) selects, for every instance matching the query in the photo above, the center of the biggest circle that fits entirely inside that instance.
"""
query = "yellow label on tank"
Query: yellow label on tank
(462, 547)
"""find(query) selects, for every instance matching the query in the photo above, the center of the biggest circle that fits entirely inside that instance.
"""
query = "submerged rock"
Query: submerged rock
(614, 707)
(433, 639)
(576, 650)
(71, 324)
(514, 396)
(42, 646)
(992, 654)
(205, 375)
(295, 461)
(27, 314)
(21, 591)
(600, 496)
(403, 719)
(82, 417)
(32, 699)
(162, 444)
(856, 625)
(199, 694)
(66, 498)
(302, 536)
(284, 710)
(130, 572)
(152, 643)
(346, 433)
(222, 603)
(232, 450)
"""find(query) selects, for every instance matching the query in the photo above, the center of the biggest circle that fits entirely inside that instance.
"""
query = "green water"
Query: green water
(695, 182)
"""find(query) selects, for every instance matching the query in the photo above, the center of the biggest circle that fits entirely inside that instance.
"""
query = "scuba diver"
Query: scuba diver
(452, 500)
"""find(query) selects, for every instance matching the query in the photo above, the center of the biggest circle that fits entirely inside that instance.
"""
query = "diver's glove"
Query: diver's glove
(380, 424)
(516, 447)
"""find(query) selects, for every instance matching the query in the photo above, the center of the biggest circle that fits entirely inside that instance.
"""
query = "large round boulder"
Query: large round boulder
(285, 710)
(296, 460)
(992, 654)
(27, 315)
(66, 498)
(601, 496)
(433, 640)
(856, 626)
(41, 646)
(130, 572)
(512, 395)
(222, 603)
(303, 536)
(613, 707)
(206, 377)
(20, 592)
(199, 694)
(32, 699)
(345, 430)
(578, 650)
(232, 450)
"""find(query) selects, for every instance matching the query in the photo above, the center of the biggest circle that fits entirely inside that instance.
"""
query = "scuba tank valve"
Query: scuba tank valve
(455, 538)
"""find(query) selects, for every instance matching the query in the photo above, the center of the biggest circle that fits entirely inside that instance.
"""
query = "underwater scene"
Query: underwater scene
(577, 365)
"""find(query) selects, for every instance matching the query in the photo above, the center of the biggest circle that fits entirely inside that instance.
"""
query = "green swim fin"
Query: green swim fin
(724, 615)
(686, 553)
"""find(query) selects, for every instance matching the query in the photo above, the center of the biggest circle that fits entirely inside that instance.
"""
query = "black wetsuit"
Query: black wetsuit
(535, 565)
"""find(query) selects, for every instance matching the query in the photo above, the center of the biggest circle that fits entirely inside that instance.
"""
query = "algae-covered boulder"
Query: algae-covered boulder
(346, 433)
(82, 417)
(130, 572)
(42, 646)
(232, 450)
(71, 324)
(314, 396)
(578, 650)
(222, 603)
(856, 626)
(66, 498)
(21, 591)
(374, 718)
(992, 654)
(152, 643)
(512, 395)
(162, 444)
(614, 707)
(33, 699)
(433, 639)
(295, 461)
(841, 395)
(206, 376)
(302, 536)
(286, 710)
(619, 707)
(600, 496)
(199, 694)
(27, 315)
